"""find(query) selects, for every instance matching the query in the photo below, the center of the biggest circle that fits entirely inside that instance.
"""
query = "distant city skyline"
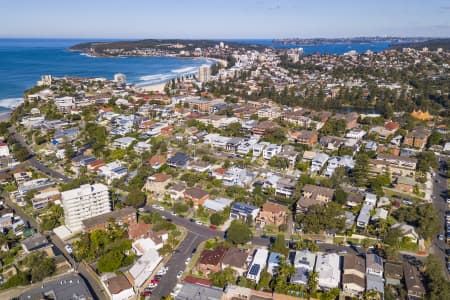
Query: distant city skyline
(229, 19)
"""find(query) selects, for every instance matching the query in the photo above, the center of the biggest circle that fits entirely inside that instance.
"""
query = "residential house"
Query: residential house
(142, 147)
(329, 274)
(345, 161)
(119, 288)
(271, 214)
(36, 242)
(138, 230)
(199, 166)
(210, 261)
(414, 286)
(273, 263)
(396, 165)
(242, 211)
(304, 137)
(407, 231)
(113, 170)
(393, 273)
(157, 183)
(191, 291)
(196, 195)
(405, 184)
(417, 138)
(236, 176)
(356, 134)
(156, 162)
(258, 264)
(217, 205)
(313, 194)
(354, 275)
(236, 259)
(264, 127)
(176, 191)
(374, 273)
(304, 262)
(120, 217)
(318, 162)
(271, 150)
(179, 160)
(123, 142)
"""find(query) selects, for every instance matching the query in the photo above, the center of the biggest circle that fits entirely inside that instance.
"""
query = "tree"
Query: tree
(224, 277)
(361, 170)
(239, 233)
(19, 279)
(333, 127)
(136, 198)
(427, 159)
(216, 219)
(340, 196)
(279, 162)
(264, 280)
(110, 262)
(313, 282)
(68, 151)
(279, 245)
(435, 281)
(322, 217)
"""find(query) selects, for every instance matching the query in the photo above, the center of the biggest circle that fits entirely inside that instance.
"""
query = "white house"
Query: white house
(271, 150)
(258, 264)
(318, 162)
(123, 143)
(4, 150)
(356, 134)
(329, 274)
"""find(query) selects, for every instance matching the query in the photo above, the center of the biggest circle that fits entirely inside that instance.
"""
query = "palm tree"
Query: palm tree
(313, 282)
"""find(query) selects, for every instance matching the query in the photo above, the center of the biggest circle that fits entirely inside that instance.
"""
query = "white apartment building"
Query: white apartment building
(204, 73)
(84, 202)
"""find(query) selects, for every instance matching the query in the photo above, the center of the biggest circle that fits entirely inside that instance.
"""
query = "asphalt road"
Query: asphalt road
(439, 201)
(33, 162)
(196, 235)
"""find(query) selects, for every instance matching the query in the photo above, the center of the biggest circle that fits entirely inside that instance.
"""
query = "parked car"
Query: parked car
(68, 248)
(441, 237)
(212, 227)
(179, 274)
(187, 260)
(342, 252)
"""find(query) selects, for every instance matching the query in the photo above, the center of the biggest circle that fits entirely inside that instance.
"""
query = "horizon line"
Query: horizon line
(230, 38)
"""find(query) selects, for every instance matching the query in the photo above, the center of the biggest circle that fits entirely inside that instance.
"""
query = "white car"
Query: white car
(68, 248)
(179, 274)
(187, 260)
(198, 222)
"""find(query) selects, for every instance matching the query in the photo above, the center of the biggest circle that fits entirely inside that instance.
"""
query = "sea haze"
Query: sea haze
(23, 61)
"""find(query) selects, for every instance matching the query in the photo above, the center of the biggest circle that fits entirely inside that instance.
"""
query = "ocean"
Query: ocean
(23, 61)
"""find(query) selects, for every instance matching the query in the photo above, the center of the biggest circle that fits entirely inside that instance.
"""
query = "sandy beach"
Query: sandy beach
(157, 87)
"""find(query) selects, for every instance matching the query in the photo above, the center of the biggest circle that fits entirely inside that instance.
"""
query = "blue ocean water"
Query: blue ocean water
(23, 61)
(337, 48)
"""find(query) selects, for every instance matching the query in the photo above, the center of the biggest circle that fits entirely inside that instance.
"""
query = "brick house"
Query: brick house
(198, 196)
(271, 214)
(305, 137)
(313, 194)
(211, 260)
(121, 217)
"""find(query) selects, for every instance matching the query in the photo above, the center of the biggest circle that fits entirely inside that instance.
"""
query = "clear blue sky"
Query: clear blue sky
(223, 18)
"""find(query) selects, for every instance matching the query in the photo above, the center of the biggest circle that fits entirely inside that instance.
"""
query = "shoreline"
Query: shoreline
(156, 87)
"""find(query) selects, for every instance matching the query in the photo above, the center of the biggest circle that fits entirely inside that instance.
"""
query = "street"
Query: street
(439, 201)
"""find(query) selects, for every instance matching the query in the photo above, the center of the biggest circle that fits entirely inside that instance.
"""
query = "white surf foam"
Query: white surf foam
(10, 102)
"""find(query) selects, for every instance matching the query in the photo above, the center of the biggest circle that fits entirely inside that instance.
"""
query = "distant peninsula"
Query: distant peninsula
(163, 47)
